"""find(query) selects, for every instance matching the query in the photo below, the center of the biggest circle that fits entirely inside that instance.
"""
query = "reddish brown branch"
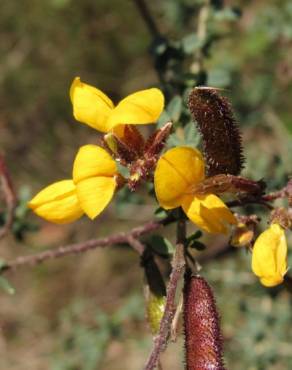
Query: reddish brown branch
(248, 200)
(82, 247)
(9, 197)
(136, 244)
(178, 264)
(286, 192)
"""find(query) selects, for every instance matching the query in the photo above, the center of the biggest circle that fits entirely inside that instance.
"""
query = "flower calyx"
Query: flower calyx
(223, 183)
(132, 151)
(283, 217)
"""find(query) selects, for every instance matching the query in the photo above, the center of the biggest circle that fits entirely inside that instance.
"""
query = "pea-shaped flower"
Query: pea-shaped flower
(269, 256)
(57, 203)
(177, 171)
(90, 191)
(95, 171)
(92, 107)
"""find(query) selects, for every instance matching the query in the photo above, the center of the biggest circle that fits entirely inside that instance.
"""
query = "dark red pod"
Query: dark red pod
(221, 137)
(203, 340)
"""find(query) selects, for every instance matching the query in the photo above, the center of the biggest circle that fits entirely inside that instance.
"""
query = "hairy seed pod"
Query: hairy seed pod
(219, 129)
(203, 340)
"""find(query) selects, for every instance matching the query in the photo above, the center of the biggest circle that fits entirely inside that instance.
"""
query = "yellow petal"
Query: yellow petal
(269, 256)
(177, 170)
(139, 108)
(90, 105)
(92, 161)
(242, 235)
(271, 281)
(208, 212)
(57, 203)
(95, 193)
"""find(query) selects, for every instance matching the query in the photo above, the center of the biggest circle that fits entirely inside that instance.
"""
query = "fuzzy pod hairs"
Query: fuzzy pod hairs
(220, 133)
(203, 339)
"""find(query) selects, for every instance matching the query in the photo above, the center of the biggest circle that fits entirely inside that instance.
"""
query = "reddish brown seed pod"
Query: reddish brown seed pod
(219, 129)
(203, 339)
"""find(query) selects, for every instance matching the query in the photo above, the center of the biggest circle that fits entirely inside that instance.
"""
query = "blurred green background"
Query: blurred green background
(87, 312)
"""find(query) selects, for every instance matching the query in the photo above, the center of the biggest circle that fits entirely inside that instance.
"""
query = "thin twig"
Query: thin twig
(263, 200)
(283, 193)
(136, 244)
(82, 247)
(147, 17)
(9, 197)
(178, 264)
(247, 200)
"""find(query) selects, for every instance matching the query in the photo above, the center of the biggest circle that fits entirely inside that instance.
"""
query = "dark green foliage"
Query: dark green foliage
(160, 245)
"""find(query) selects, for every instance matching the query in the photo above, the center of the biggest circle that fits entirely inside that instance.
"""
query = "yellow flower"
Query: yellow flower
(94, 170)
(94, 173)
(177, 171)
(269, 256)
(57, 203)
(90, 191)
(92, 107)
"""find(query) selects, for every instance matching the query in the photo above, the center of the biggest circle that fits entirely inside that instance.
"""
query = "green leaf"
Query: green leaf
(190, 137)
(195, 236)
(174, 108)
(227, 14)
(124, 171)
(191, 134)
(161, 245)
(173, 141)
(160, 212)
(191, 43)
(6, 286)
(163, 119)
(197, 245)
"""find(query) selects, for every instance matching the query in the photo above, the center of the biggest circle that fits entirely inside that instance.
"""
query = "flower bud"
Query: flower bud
(269, 256)
(242, 235)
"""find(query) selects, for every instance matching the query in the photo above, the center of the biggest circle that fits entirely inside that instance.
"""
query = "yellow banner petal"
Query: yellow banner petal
(95, 193)
(92, 161)
(57, 203)
(177, 170)
(90, 105)
(269, 256)
(209, 213)
(139, 108)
